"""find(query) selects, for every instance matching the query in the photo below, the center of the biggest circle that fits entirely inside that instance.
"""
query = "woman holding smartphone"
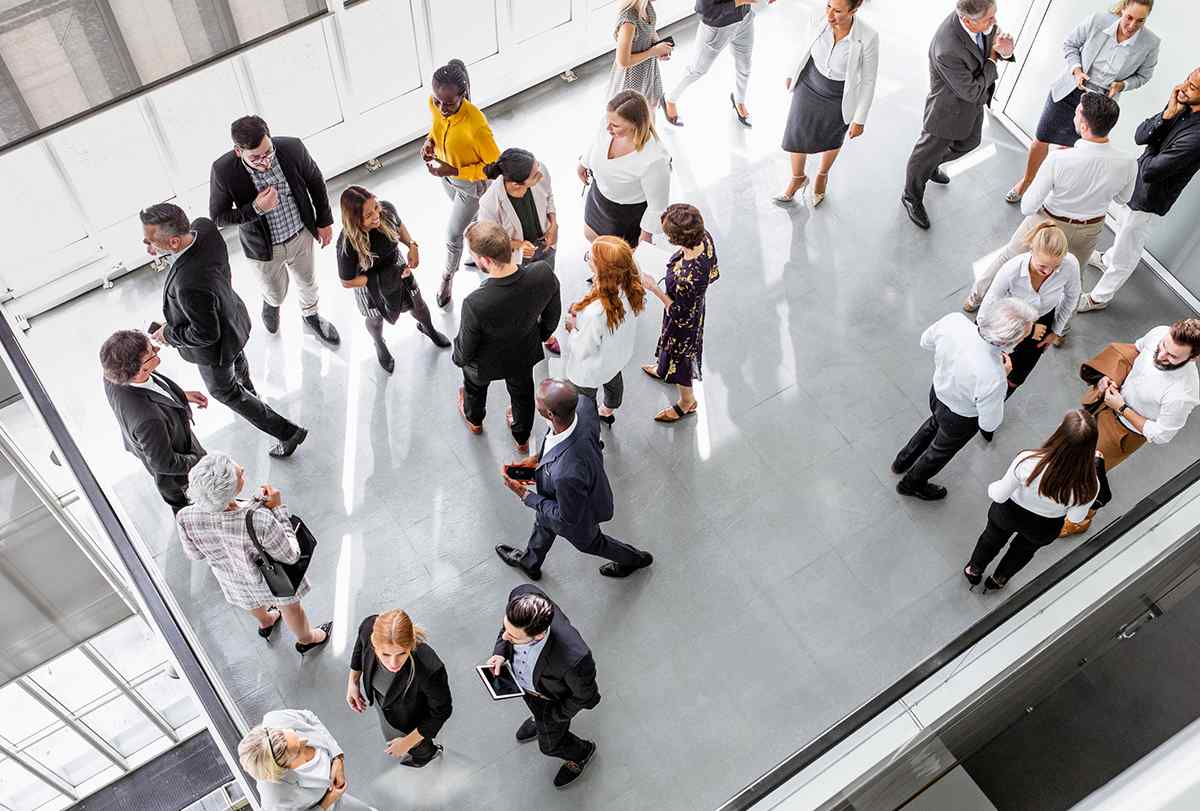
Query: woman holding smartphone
(635, 65)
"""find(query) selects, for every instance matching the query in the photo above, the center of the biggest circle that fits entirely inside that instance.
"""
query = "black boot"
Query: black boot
(385, 357)
(325, 331)
(438, 338)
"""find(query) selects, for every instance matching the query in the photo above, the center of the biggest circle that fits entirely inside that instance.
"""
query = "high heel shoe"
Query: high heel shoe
(992, 584)
(973, 579)
(819, 196)
(674, 121)
(784, 199)
(266, 633)
(745, 119)
(303, 648)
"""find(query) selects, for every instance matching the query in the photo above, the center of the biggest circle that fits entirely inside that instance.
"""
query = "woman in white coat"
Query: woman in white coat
(523, 205)
(832, 87)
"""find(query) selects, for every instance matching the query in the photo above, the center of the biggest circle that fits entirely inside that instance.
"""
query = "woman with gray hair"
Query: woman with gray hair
(970, 381)
(297, 763)
(214, 529)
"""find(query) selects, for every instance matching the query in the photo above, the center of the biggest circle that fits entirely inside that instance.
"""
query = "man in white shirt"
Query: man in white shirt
(970, 370)
(1073, 190)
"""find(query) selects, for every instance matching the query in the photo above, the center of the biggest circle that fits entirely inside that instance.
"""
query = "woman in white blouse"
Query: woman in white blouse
(1047, 276)
(832, 87)
(1043, 489)
(602, 326)
(632, 173)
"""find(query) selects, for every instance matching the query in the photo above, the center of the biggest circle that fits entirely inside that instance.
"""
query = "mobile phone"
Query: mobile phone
(668, 39)
(519, 473)
(154, 327)
(435, 163)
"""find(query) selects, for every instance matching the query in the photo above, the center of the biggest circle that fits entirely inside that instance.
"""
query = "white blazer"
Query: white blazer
(861, 72)
(593, 354)
(495, 207)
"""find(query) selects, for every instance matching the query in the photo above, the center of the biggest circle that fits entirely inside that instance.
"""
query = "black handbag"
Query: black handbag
(283, 578)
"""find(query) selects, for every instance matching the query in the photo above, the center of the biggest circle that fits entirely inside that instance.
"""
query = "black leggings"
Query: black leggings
(419, 311)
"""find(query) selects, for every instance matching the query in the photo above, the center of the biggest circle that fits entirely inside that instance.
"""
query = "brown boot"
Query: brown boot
(1071, 528)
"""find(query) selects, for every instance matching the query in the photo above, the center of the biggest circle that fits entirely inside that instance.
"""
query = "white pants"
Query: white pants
(295, 255)
(1123, 257)
(709, 44)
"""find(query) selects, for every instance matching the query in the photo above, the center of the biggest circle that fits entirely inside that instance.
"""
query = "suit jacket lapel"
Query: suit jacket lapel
(558, 449)
(162, 397)
(540, 665)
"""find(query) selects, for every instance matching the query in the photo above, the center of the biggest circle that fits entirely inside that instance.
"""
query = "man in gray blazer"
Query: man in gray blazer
(962, 79)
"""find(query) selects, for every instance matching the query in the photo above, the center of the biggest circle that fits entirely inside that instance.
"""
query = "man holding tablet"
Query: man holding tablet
(554, 667)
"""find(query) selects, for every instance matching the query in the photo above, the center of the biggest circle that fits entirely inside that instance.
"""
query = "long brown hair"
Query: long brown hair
(353, 200)
(1067, 461)
(615, 271)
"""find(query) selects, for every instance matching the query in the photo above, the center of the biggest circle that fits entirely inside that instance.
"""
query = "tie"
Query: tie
(982, 43)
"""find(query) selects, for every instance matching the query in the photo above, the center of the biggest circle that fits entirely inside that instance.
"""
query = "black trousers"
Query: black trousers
(173, 490)
(601, 545)
(936, 441)
(931, 151)
(1032, 532)
(555, 737)
(614, 392)
(230, 384)
(1026, 356)
(520, 394)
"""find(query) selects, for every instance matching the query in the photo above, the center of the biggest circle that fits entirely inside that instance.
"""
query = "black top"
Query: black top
(531, 226)
(1171, 159)
(387, 252)
(231, 195)
(156, 428)
(205, 319)
(720, 13)
(504, 322)
(423, 703)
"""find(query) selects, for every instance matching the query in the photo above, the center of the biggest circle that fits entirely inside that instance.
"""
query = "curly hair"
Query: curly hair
(683, 225)
(616, 271)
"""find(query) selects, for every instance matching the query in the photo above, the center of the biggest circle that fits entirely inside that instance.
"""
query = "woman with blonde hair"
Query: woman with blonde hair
(632, 173)
(602, 326)
(394, 669)
(1046, 276)
(297, 763)
(635, 63)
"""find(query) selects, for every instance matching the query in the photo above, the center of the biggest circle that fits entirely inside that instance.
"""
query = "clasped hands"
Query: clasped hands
(1044, 337)
(1081, 80)
(1111, 392)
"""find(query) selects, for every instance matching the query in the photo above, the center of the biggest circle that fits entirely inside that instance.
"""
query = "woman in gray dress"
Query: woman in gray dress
(638, 51)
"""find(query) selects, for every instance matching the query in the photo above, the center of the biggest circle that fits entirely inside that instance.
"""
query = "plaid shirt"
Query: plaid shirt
(222, 540)
(284, 220)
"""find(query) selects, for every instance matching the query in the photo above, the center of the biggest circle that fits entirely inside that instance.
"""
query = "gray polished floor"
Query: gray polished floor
(791, 582)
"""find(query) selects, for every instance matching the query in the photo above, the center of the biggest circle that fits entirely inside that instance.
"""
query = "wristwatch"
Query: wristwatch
(1124, 406)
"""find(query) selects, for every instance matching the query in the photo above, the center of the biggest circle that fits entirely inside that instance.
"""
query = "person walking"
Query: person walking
(639, 50)
(206, 320)
(1108, 53)
(370, 263)
(213, 528)
(723, 24)
(632, 173)
(458, 146)
(1041, 490)
(602, 326)
(690, 271)
(394, 669)
(154, 413)
(296, 763)
(1073, 190)
(556, 670)
(963, 71)
(970, 364)
(832, 87)
(273, 190)
(1169, 162)
(501, 330)
(571, 495)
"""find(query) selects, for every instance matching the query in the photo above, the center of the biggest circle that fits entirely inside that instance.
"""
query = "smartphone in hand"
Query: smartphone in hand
(518, 473)
(154, 327)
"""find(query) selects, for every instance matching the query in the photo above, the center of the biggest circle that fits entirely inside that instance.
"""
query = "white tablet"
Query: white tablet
(502, 686)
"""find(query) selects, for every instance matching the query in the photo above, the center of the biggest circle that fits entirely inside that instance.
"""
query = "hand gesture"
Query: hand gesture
(495, 663)
(427, 150)
(414, 258)
(570, 323)
(325, 235)
(1051, 339)
(267, 199)
(1115, 88)
(1081, 78)
(518, 488)
(648, 281)
(662, 50)
(1113, 398)
(354, 697)
(551, 235)
(528, 249)
(1006, 359)
(1039, 330)
(197, 398)
(335, 792)
(856, 130)
(271, 497)
(1004, 45)
(1174, 105)
(159, 336)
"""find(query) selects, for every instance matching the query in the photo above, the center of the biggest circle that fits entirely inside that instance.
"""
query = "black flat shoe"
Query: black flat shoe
(266, 633)
(420, 764)
(745, 119)
(443, 294)
(992, 584)
(288, 446)
(973, 579)
(323, 329)
(303, 649)
(527, 731)
(939, 177)
(608, 419)
(270, 318)
(622, 570)
(916, 212)
(926, 491)
(571, 770)
(516, 559)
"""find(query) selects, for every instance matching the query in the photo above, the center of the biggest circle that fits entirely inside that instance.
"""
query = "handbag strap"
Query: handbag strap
(255, 504)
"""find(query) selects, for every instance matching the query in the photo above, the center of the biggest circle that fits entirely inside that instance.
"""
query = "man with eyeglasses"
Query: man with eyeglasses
(272, 189)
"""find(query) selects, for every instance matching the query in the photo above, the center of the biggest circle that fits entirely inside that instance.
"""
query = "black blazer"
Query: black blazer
(1171, 159)
(424, 705)
(206, 320)
(231, 195)
(565, 673)
(158, 430)
(573, 494)
(962, 80)
(505, 321)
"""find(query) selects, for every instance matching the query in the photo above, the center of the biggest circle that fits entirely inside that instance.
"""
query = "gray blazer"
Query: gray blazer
(1083, 44)
(291, 793)
(961, 80)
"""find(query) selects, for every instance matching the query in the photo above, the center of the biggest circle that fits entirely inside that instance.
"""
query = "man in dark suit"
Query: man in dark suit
(962, 79)
(272, 189)
(154, 413)
(573, 496)
(502, 328)
(554, 667)
(206, 320)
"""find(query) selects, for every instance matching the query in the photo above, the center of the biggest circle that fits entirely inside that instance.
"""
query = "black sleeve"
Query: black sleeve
(548, 322)
(316, 186)
(584, 692)
(502, 648)
(203, 325)
(364, 632)
(466, 343)
(441, 706)
(347, 259)
(1151, 131)
(222, 208)
(155, 444)
(1176, 158)
(1104, 495)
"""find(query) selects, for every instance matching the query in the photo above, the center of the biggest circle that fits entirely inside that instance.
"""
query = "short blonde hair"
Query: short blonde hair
(1119, 8)
(1048, 239)
(261, 751)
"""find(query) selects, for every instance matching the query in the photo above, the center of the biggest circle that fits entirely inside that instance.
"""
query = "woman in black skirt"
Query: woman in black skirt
(832, 86)
(369, 262)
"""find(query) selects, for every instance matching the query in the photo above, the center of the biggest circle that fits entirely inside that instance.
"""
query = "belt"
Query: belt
(1054, 216)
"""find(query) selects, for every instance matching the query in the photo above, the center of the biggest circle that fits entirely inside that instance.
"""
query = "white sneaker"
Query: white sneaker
(1096, 260)
(1087, 304)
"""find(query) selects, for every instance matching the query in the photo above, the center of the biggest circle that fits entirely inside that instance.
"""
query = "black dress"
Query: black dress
(388, 293)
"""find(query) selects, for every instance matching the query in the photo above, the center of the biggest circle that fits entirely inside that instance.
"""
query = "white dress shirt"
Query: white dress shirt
(553, 439)
(833, 60)
(153, 385)
(1059, 293)
(642, 176)
(1164, 398)
(593, 355)
(1109, 64)
(1079, 183)
(524, 661)
(1013, 488)
(968, 372)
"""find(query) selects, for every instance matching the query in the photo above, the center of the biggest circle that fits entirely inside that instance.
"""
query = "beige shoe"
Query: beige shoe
(786, 199)
(1087, 304)
(971, 303)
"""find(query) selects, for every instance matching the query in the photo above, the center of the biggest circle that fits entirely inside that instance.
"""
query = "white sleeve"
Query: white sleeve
(1070, 296)
(1149, 341)
(656, 185)
(1171, 418)
(931, 334)
(1002, 282)
(990, 405)
(1002, 489)
(1077, 513)
(1043, 182)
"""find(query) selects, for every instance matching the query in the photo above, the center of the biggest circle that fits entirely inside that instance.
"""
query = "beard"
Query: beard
(1170, 367)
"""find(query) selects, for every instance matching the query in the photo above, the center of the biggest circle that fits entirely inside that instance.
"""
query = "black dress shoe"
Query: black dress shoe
(939, 177)
(900, 465)
(608, 419)
(623, 570)
(570, 771)
(527, 731)
(926, 491)
(325, 331)
(288, 446)
(327, 627)
(438, 338)
(516, 559)
(916, 212)
(270, 317)
(385, 357)
(443, 293)
(419, 764)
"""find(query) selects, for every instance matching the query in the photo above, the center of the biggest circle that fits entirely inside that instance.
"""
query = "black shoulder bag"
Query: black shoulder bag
(283, 578)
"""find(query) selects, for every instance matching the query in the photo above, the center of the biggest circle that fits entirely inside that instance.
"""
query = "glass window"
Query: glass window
(72, 680)
(294, 82)
(172, 699)
(20, 790)
(194, 114)
(69, 755)
(123, 725)
(20, 715)
(382, 52)
(131, 648)
(253, 18)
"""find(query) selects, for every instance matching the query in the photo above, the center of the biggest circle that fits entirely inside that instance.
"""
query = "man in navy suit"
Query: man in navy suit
(572, 495)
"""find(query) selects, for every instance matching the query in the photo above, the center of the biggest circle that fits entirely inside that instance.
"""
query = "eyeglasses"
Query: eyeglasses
(260, 160)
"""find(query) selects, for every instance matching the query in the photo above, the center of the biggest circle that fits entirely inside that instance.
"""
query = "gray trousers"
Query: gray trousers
(294, 256)
(931, 152)
(709, 44)
(464, 206)
(614, 392)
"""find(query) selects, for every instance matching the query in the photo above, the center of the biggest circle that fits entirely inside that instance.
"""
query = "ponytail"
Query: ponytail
(515, 165)
(1047, 239)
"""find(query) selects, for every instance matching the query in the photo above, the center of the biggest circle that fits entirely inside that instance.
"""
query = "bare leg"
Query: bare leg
(298, 624)
(827, 159)
(687, 399)
(265, 618)
(798, 178)
(1038, 151)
